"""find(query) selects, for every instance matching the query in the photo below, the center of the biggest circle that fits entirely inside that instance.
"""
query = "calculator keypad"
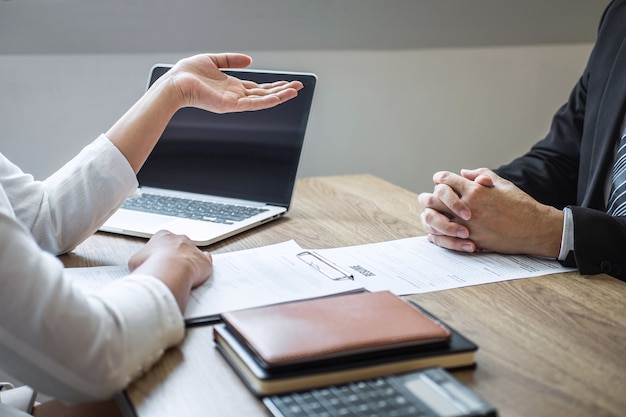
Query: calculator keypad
(373, 398)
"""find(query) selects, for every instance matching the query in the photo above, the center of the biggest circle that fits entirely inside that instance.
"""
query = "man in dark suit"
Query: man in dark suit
(553, 200)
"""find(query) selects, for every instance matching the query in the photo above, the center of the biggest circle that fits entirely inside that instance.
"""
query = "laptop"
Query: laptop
(212, 176)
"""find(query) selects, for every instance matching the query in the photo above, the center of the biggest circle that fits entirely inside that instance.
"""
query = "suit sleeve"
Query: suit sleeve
(549, 171)
(599, 243)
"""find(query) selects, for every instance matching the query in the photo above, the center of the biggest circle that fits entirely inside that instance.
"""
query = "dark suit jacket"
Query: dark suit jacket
(570, 166)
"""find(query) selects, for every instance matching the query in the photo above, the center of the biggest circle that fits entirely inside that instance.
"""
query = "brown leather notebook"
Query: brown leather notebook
(333, 327)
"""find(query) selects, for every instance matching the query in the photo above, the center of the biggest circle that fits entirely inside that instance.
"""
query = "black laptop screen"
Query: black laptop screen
(247, 155)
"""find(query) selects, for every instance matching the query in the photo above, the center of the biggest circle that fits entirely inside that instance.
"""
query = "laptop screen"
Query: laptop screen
(248, 155)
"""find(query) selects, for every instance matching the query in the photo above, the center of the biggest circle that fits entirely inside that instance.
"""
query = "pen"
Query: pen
(329, 263)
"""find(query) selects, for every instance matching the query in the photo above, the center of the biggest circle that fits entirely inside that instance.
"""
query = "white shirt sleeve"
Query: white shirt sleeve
(72, 203)
(52, 336)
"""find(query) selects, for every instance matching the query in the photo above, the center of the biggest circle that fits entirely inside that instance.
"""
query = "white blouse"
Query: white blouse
(53, 337)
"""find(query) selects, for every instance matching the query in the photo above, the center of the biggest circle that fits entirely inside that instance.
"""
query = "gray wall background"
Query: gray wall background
(406, 88)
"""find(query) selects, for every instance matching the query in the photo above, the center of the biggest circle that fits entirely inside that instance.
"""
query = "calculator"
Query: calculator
(431, 392)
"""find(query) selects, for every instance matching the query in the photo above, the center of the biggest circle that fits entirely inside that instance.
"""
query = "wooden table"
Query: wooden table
(549, 346)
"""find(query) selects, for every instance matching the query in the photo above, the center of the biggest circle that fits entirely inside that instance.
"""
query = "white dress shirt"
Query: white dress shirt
(52, 336)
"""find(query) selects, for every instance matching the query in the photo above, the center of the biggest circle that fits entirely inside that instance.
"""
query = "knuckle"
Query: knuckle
(429, 215)
(441, 241)
(441, 176)
(440, 190)
(457, 205)
(425, 217)
(429, 200)
(451, 229)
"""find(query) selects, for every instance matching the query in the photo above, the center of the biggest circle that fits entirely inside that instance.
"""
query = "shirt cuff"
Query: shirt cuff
(119, 167)
(148, 317)
(567, 239)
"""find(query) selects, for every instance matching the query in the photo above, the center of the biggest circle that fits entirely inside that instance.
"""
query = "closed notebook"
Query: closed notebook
(319, 367)
(332, 328)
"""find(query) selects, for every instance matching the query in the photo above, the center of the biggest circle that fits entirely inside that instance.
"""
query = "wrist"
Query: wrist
(138, 130)
(175, 275)
(551, 232)
(169, 93)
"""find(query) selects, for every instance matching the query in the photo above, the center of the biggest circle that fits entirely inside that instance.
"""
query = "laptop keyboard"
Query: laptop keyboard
(191, 209)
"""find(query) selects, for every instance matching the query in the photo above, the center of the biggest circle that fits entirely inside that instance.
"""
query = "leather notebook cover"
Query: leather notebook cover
(333, 327)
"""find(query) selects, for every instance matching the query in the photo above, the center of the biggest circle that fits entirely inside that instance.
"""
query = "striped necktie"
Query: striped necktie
(617, 196)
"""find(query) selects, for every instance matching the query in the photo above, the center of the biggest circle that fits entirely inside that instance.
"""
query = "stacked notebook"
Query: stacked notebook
(332, 340)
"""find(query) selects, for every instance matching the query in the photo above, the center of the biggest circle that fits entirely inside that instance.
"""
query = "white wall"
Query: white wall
(398, 114)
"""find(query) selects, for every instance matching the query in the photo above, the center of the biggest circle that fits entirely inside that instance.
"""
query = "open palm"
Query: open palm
(202, 84)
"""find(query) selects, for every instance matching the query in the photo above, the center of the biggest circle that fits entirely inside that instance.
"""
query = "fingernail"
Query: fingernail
(462, 233)
(465, 214)
(468, 248)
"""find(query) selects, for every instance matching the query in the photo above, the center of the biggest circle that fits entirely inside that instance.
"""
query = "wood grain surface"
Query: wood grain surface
(548, 346)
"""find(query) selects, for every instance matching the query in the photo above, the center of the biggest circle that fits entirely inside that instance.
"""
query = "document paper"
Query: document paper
(414, 265)
(248, 278)
(275, 273)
